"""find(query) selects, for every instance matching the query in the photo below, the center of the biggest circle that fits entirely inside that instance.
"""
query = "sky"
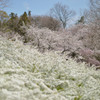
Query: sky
(42, 7)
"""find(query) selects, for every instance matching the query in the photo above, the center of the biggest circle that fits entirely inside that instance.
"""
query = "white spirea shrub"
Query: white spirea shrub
(26, 74)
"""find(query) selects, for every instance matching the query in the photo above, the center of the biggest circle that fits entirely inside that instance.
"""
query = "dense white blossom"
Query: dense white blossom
(26, 74)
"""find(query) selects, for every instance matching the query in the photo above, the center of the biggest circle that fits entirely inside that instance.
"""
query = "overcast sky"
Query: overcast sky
(42, 7)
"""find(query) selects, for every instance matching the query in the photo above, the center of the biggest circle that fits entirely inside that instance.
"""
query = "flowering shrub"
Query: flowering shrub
(56, 40)
(44, 38)
(26, 74)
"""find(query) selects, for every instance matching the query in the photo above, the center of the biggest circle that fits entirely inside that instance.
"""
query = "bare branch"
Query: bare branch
(3, 3)
(62, 13)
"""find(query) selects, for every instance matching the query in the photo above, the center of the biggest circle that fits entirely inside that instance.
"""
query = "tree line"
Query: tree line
(58, 17)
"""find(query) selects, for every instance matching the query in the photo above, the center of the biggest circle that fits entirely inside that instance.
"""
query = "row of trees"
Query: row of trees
(13, 22)
(58, 17)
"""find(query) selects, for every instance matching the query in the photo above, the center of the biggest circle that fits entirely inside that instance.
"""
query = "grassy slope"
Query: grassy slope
(26, 74)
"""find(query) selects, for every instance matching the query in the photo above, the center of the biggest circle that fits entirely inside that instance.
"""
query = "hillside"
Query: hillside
(26, 74)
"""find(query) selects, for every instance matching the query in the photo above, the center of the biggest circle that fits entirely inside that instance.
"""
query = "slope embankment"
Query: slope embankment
(26, 74)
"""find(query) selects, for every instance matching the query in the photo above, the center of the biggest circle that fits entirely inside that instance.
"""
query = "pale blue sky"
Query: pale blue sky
(42, 7)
